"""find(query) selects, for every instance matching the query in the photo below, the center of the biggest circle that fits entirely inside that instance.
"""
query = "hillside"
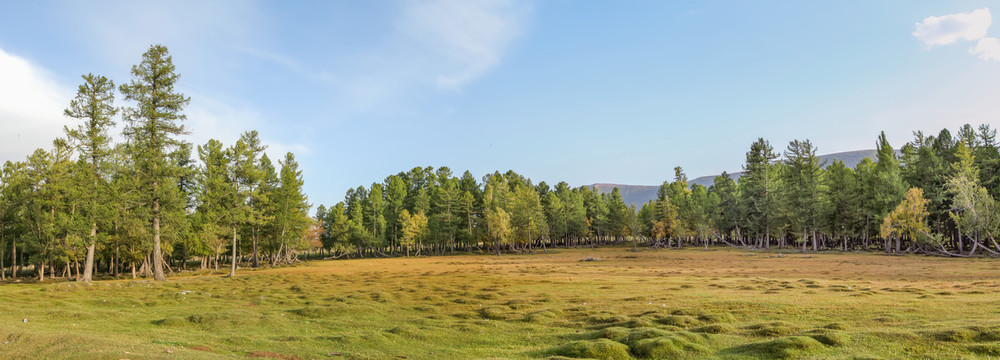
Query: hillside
(640, 194)
(632, 194)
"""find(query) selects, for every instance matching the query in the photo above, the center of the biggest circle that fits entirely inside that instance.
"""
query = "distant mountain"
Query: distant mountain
(632, 194)
(641, 194)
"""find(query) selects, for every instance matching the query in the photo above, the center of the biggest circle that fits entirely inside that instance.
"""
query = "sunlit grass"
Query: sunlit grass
(649, 304)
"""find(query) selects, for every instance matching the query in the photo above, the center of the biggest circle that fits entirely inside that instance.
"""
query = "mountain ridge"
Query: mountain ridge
(641, 194)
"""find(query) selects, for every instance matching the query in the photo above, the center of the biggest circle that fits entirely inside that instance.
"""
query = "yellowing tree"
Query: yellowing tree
(414, 230)
(908, 219)
(498, 222)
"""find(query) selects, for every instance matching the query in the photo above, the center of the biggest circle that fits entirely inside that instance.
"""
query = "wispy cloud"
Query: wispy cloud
(949, 29)
(465, 38)
(31, 113)
(202, 30)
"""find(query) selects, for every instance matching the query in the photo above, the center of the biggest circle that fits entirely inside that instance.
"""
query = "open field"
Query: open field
(721, 303)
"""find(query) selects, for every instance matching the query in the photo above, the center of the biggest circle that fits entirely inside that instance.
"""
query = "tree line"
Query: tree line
(144, 205)
(936, 195)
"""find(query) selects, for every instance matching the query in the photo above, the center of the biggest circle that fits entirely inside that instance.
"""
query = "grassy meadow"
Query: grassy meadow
(720, 303)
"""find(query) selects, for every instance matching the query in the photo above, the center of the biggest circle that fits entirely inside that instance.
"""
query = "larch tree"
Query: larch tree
(757, 191)
(802, 187)
(889, 187)
(908, 219)
(217, 196)
(841, 212)
(94, 106)
(974, 210)
(395, 203)
(291, 204)
(726, 215)
(414, 230)
(249, 175)
(153, 130)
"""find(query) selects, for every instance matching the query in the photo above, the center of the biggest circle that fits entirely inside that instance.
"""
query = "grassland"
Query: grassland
(721, 303)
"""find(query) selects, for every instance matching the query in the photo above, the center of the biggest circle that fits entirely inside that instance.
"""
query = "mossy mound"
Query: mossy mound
(601, 349)
(616, 333)
(772, 329)
(597, 319)
(542, 315)
(494, 313)
(424, 308)
(715, 318)
(984, 333)
(992, 349)
(831, 338)
(671, 346)
(952, 335)
(678, 320)
(313, 312)
(172, 321)
(486, 296)
(434, 298)
(405, 330)
(791, 347)
(224, 319)
(714, 329)
(636, 323)
(518, 304)
(835, 326)
(381, 296)
(636, 335)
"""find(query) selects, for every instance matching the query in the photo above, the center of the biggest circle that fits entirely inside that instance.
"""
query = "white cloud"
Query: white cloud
(949, 29)
(987, 49)
(31, 113)
(465, 39)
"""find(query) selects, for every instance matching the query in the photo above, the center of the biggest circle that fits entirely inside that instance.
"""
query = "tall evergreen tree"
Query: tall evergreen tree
(94, 106)
(757, 191)
(291, 204)
(802, 187)
(888, 186)
(153, 129)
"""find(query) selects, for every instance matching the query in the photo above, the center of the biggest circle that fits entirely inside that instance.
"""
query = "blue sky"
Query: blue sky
(581, 91)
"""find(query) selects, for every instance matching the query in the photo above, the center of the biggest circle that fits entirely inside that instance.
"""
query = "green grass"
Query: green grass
(721, 303)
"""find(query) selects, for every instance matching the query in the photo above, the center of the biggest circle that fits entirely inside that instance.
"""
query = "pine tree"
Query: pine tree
(292, 205)
(726, 215)
(757, 191)
(94, 105)
(889, 188)
(217, 194)
(152, 129)
(802, 182)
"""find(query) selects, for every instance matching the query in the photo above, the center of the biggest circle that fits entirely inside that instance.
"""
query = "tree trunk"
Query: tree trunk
(767, 237)
(256, 261)
(13, 264)
(232, 269)
(157, 251)
(88, 265)
(815, 241)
